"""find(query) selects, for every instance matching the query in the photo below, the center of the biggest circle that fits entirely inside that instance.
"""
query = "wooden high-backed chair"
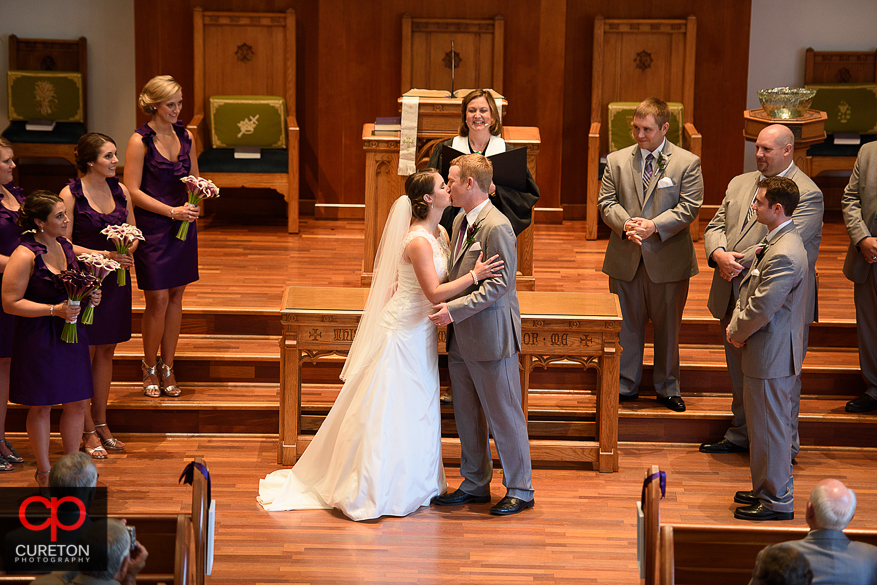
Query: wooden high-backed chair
(426, 47)
(49, 55)
(633, 60)
(837, 69)
(253, 54)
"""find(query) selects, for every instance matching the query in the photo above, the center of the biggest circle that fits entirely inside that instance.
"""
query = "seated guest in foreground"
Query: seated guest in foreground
(123, 566)
(859, 205)
(834, 558)
(768, 323)
(480, 131)
(74, 470)
(779, 564)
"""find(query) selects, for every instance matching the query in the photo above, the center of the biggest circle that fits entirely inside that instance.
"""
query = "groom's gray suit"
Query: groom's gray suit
(483, 344)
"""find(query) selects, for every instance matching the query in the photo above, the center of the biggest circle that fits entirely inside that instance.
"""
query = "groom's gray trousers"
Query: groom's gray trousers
(487, 397)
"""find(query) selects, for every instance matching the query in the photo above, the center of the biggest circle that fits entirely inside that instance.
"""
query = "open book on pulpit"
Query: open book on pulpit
(509, 167)
(443, 93)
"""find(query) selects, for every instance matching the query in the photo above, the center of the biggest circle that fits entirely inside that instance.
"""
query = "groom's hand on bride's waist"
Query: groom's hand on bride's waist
(443, 317)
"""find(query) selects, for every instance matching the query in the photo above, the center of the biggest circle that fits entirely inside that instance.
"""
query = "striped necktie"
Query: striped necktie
(647, 173)
(750, 215)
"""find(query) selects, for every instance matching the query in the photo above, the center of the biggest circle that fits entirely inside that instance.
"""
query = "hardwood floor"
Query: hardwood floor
(582, 529)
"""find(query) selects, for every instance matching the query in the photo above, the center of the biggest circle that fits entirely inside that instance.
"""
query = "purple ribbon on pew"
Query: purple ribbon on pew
(663, 476)
(188, 476)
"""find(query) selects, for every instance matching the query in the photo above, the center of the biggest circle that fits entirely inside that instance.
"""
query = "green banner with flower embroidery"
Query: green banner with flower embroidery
(45, 95)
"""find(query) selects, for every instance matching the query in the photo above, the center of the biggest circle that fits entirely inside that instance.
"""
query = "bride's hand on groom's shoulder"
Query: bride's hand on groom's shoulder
(443, 317)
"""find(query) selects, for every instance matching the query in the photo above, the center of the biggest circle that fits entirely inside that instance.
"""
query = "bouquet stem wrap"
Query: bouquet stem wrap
(68, 333)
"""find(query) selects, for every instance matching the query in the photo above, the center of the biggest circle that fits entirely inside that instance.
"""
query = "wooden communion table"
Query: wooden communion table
(579, 327)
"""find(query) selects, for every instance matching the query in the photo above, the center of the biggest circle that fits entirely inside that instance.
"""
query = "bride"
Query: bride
(378, 452)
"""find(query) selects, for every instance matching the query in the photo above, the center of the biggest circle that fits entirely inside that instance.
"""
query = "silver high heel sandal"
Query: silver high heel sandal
(171, 390)
(151, 390)
(111, 443)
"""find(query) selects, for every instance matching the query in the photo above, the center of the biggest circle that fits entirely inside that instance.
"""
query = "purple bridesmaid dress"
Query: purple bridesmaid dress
(10, 234)
(112, 319)
(163, 261)
(44, 369)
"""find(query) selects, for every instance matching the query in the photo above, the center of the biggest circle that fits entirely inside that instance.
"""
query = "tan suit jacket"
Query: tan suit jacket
(769, 316)
(728, 229)
(668, 255)
(487, 319)
(860, 211)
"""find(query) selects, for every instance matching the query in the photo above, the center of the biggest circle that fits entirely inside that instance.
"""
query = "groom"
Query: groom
(484, 337)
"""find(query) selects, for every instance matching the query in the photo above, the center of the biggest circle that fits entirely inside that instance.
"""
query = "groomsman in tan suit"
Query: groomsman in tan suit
(768, 325)
(731, 232)
(860, 215)
(651, 193)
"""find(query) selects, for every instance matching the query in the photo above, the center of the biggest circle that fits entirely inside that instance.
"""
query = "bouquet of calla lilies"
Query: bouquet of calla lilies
(99, 267)
(78, 285)
(122, 236)
(199, 189)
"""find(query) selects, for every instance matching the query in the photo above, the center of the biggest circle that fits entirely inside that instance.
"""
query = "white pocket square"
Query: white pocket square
(475, 247)
(665, 182)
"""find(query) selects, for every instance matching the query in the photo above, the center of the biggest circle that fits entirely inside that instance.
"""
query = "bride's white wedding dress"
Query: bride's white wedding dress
(378, 452)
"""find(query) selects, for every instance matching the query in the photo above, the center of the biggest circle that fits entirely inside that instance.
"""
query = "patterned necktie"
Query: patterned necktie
(463, 225)
(749, 214)
(647, 173)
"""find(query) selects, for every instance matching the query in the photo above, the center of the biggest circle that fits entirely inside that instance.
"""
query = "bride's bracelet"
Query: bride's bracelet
(475, 278)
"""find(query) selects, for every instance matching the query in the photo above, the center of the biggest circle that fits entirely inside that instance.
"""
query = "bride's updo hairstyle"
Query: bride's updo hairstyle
(38, 205)
(416, 186)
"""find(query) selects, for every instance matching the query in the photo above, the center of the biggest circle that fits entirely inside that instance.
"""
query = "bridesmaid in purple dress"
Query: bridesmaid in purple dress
(9, 236)
(159, 154)
(45, 370)
(99, 200)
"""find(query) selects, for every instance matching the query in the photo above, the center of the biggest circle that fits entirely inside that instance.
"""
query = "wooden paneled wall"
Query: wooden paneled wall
(349, 73)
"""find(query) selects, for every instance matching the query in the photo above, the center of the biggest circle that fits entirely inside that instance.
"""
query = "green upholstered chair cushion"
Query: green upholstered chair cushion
(63, 133)
(621, 120)
(248, 120)
(220, 160)
(851, 107)
(47, 95)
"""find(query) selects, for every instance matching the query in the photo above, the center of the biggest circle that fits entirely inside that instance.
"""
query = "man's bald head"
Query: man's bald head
(774, 150)
(832, 505)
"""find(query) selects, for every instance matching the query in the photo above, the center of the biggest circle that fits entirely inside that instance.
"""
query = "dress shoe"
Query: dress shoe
(674, 403)
(459, 497)
(723, 446)
(863, 403)
(627, 397)
(760, 512)
(510, 505)
(746, 497)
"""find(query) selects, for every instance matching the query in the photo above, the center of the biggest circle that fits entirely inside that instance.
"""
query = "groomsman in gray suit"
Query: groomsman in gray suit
(834, 558)
(860, 215)
(651, 193)
(484, 338)
(731, 232)
(768, 324)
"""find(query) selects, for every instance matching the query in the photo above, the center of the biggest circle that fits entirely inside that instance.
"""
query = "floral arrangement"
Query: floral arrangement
(78, 285)
(123, 236)
(199, 189)
(99, 267)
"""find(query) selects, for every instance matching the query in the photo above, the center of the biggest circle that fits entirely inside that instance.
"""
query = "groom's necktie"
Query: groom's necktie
(463, 226)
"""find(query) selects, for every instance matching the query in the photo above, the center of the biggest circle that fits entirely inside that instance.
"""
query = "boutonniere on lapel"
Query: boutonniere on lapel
(470, 233)
(759, 253)
(663, 159)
